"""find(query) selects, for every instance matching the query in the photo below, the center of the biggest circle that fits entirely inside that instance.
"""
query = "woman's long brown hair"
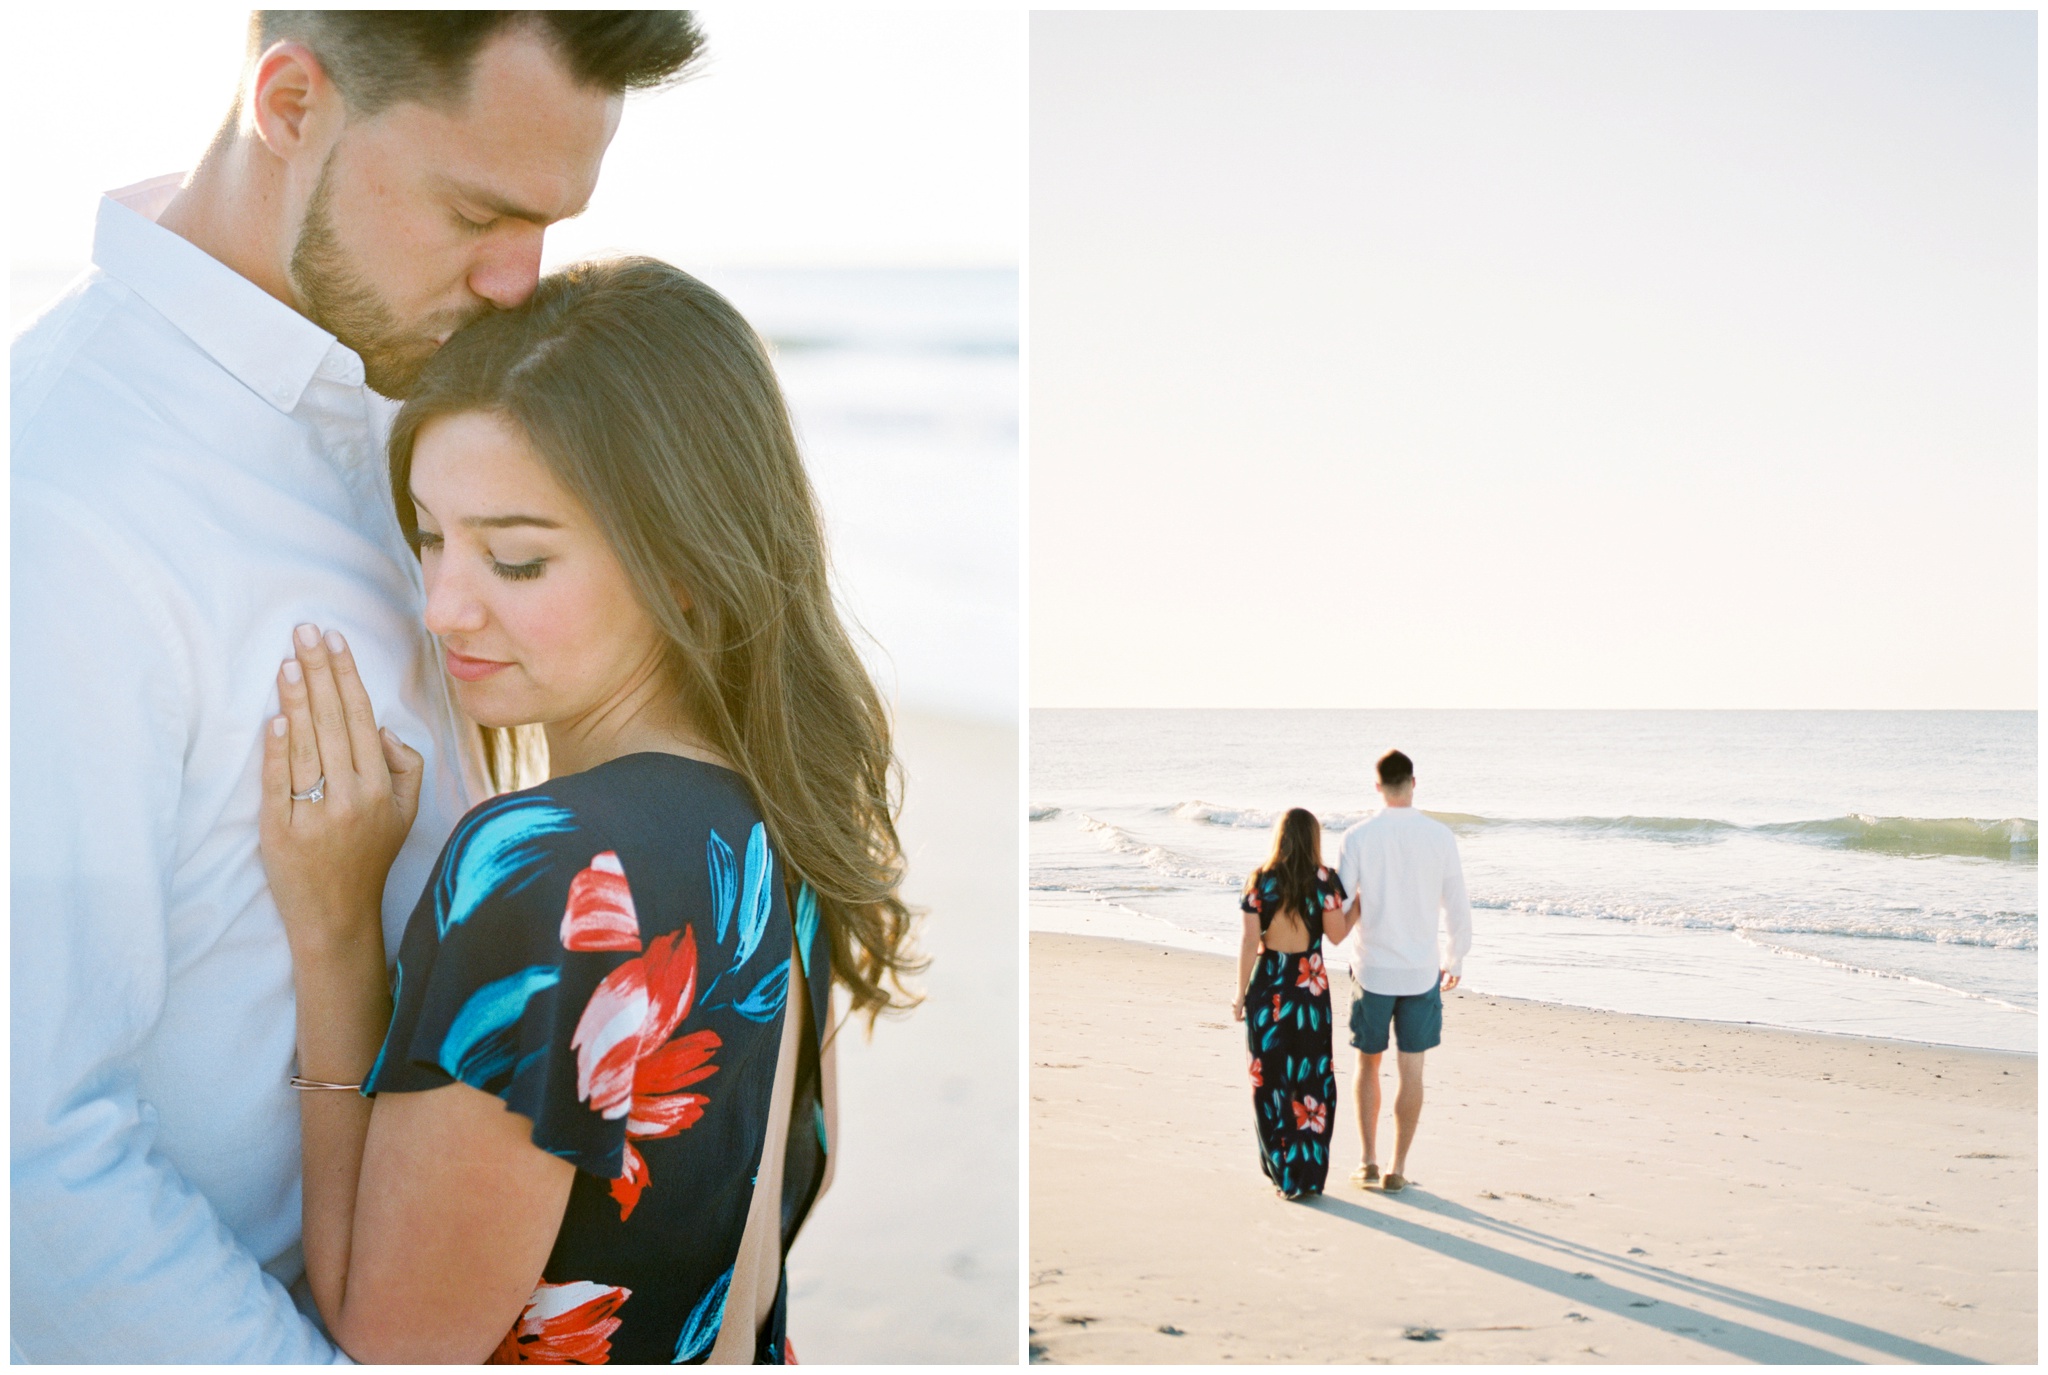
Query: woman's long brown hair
(1297, 855)
(650, 398)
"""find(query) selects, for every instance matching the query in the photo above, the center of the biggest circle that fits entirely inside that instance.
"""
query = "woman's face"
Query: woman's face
(537, 619)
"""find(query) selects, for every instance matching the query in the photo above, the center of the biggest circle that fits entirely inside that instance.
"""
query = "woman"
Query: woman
(602, 1077)
(1282, 981)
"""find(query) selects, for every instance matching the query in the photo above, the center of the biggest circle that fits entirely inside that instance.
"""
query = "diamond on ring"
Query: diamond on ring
(314, 793)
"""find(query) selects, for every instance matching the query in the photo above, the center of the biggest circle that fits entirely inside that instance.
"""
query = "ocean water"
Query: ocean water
(903, 386)
(1873, 873)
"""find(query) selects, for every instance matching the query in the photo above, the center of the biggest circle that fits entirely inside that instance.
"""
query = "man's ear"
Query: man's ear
(292, 104)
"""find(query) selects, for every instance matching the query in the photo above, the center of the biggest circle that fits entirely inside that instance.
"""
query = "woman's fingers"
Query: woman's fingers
(407, 768)
(276, 803)
(302, 749)
(330, 723)
(356, 712)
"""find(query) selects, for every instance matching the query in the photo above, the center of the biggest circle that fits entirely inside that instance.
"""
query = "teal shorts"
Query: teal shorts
(1417, 1019)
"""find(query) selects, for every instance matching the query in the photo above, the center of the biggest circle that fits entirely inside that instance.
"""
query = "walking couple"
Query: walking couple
(272, 638)
(1397, 904)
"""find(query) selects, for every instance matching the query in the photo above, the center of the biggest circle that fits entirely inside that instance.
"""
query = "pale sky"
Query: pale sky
(1533, 360)
(810, 138)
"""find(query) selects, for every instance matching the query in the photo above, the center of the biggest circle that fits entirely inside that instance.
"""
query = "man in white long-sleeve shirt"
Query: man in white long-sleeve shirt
(1409, 928)
(197, 469)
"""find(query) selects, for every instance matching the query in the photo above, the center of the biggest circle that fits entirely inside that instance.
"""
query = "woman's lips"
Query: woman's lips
(472, 670)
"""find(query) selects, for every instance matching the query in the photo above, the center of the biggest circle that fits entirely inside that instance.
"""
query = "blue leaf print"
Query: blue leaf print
(480, 1045)
(758, 894)
(767, 998)
(724, 880)
(701, 1329)
(496, 850)
(806, 922)
(818, 1120)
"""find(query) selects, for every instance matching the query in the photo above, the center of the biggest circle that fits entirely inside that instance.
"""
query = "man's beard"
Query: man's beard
(335, 297)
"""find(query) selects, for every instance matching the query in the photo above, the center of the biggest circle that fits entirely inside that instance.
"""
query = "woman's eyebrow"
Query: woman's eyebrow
(506, 522)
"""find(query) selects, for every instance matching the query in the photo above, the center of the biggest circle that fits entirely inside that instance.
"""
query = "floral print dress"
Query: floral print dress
(1287, 1026)
(611, 954)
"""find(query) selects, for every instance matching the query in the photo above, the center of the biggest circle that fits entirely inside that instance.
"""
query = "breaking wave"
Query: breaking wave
(2012, 838)
(1993, 930)
(1156, 857)
(1251, 818)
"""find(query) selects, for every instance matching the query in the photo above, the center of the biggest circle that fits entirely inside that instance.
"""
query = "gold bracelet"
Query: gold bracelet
(299, 1083)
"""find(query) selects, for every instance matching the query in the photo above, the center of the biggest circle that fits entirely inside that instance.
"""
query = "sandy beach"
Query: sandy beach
(1588, 1187)
(912, 1254)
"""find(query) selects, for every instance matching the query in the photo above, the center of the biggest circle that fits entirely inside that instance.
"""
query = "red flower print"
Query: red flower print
(659, 1107)
(1311, 1116)
(562, 1324)
(600, 913)
(1276, 1004)
(626, 1065)
(671, 985)
(626, 1189)
(1313, 976)
(1258, 1078)
(633, 1011)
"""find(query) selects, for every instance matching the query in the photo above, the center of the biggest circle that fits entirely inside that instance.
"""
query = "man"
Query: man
(197, 471)
(1401, 870)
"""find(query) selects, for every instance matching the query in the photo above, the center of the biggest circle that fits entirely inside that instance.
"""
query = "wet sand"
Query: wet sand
(1588, 1187)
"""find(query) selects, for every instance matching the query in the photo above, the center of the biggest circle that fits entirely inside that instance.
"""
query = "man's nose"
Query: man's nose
(509, 268)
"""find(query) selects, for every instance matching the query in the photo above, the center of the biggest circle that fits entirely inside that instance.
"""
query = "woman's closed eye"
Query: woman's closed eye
(519, 572)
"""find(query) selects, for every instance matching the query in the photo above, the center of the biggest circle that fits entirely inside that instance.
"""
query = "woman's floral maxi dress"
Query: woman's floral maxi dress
(613, 954)
(1287, 1025)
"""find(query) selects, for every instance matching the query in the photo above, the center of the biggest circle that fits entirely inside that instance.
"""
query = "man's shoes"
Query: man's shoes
(1393, 1184)
(1365, 1175)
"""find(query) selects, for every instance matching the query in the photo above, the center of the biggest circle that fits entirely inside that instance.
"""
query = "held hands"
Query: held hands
(1450, 980)
(327, 856)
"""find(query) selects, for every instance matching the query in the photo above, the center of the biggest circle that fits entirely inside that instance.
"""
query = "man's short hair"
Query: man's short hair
(1397, 770)
(376, 58)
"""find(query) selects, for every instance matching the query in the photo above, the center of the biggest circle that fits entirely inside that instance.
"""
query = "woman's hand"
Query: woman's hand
(1237, 1009)
(328, 859)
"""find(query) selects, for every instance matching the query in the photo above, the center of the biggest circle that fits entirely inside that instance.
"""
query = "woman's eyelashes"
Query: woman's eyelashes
(425, 542)
(519, 572)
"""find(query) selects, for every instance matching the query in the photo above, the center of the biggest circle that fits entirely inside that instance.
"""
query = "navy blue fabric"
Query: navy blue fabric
(1417, 1020)
(553, 916)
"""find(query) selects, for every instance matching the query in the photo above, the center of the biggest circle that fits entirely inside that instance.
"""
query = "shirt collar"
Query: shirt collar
(265, 344)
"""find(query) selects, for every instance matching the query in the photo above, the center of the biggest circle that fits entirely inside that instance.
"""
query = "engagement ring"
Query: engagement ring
(314, 793)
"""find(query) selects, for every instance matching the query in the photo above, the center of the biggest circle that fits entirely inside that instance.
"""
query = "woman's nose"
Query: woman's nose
(452, 609)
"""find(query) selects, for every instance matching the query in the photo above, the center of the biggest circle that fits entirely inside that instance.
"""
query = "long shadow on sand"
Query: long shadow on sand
(1586, 1291)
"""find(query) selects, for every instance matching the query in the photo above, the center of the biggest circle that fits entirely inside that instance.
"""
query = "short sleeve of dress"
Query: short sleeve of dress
(520, 973)
(1252, 904)
(1329, 885)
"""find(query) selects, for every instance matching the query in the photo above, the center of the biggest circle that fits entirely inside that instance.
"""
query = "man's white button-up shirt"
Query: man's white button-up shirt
(197, 469)
(1402, 869)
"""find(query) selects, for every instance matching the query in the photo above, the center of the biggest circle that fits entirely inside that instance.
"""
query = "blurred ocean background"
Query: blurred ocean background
(904, 388)
(1864, 872)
